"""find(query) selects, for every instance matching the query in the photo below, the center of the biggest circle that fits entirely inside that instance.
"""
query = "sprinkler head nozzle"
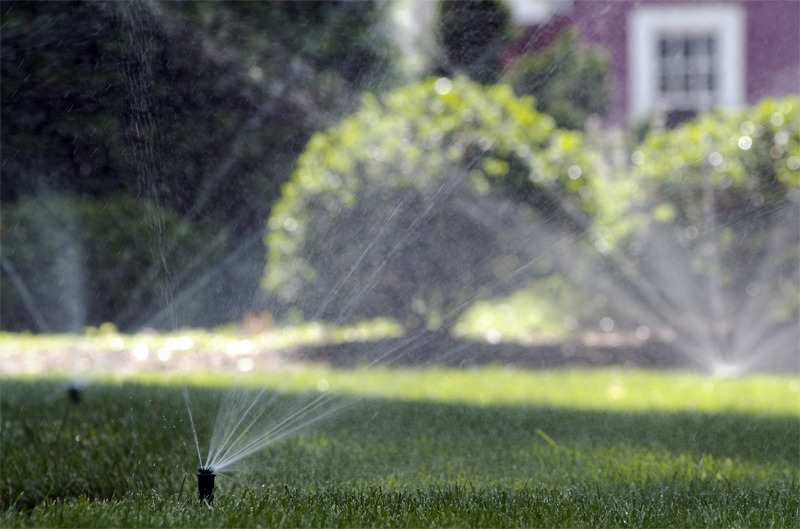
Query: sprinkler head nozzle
(74, 394)
(205, 484)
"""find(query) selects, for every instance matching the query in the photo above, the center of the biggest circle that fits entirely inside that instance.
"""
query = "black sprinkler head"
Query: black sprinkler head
(74, 394)
(205, 484)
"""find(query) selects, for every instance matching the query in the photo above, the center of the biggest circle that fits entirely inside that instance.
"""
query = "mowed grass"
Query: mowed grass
(436, 447)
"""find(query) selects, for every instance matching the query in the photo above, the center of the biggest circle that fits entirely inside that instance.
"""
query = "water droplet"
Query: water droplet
(140, 351)
(493, 336)
(607, 324)
(183, 343)
(290, 224)
(691, 232)
(615, 391)
(752, 289)
(256, 73)
(243, 347)
(602, 246)
(793, 163)
(322, 386)
(637, 158)
(715, 159)
(777, 119)
(245, 364)
(745, 143)
(574, 172)
(443, 85)
(643, 332)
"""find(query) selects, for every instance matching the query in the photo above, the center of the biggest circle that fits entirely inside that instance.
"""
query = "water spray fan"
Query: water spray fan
(205, 484)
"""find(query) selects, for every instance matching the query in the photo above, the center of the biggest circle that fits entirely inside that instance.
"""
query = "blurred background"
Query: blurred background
(261, 164)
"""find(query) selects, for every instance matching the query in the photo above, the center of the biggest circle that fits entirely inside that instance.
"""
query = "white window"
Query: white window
(685, 59)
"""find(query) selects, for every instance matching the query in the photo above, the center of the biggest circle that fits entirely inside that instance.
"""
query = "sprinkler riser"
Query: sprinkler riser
(205, 484)
(74, 395)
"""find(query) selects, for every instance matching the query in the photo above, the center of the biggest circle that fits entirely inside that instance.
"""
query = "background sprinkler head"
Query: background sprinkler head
(205, 484)
(74, 394)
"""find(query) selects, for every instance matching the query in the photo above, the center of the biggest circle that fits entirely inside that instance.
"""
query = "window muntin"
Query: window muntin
(687, 71)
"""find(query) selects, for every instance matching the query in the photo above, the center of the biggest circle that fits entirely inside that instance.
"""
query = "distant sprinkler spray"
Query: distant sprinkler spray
(205, 484)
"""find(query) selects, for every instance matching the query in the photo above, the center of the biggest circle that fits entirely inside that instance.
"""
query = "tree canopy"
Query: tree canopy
(393, 190)
(709, 242)
(198, 109)
(473, 35)
(445, 191)
(568, 80)
(725, 188)
(97, 95)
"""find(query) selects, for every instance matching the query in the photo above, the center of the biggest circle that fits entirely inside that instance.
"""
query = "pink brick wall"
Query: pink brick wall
(773, 44)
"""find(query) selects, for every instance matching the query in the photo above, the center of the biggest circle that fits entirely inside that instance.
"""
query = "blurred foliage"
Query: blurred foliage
(199, 107)
(80, 260)
(547, 309)
(707, 240)
(755, 150)
(233, 339)
(727, 186)
(568, 81)
(473, 35)
(387, 213)
(432, 196)
(99, 97)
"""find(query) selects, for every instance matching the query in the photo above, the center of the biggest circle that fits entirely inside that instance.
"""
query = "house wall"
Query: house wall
(604, 24)
(772, 49)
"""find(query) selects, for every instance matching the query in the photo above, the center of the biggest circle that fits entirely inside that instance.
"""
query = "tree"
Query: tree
(705, 248)
(473, 35)
(404, 210)
(723, 195)
(700, 242)
(200, 108)
(93, 93)
(568, 80)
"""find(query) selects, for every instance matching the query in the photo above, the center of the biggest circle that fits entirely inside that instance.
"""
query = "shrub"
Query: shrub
(382, 212)
(568, 81)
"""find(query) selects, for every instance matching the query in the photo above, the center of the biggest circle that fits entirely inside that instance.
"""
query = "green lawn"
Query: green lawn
(479, 447)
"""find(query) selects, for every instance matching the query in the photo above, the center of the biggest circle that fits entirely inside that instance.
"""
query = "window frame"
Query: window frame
(649, 23)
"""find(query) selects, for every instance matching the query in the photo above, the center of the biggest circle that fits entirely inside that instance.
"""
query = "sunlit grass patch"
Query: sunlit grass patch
(478, 447)
(232, 338)
(595, 389)
(544, 311)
